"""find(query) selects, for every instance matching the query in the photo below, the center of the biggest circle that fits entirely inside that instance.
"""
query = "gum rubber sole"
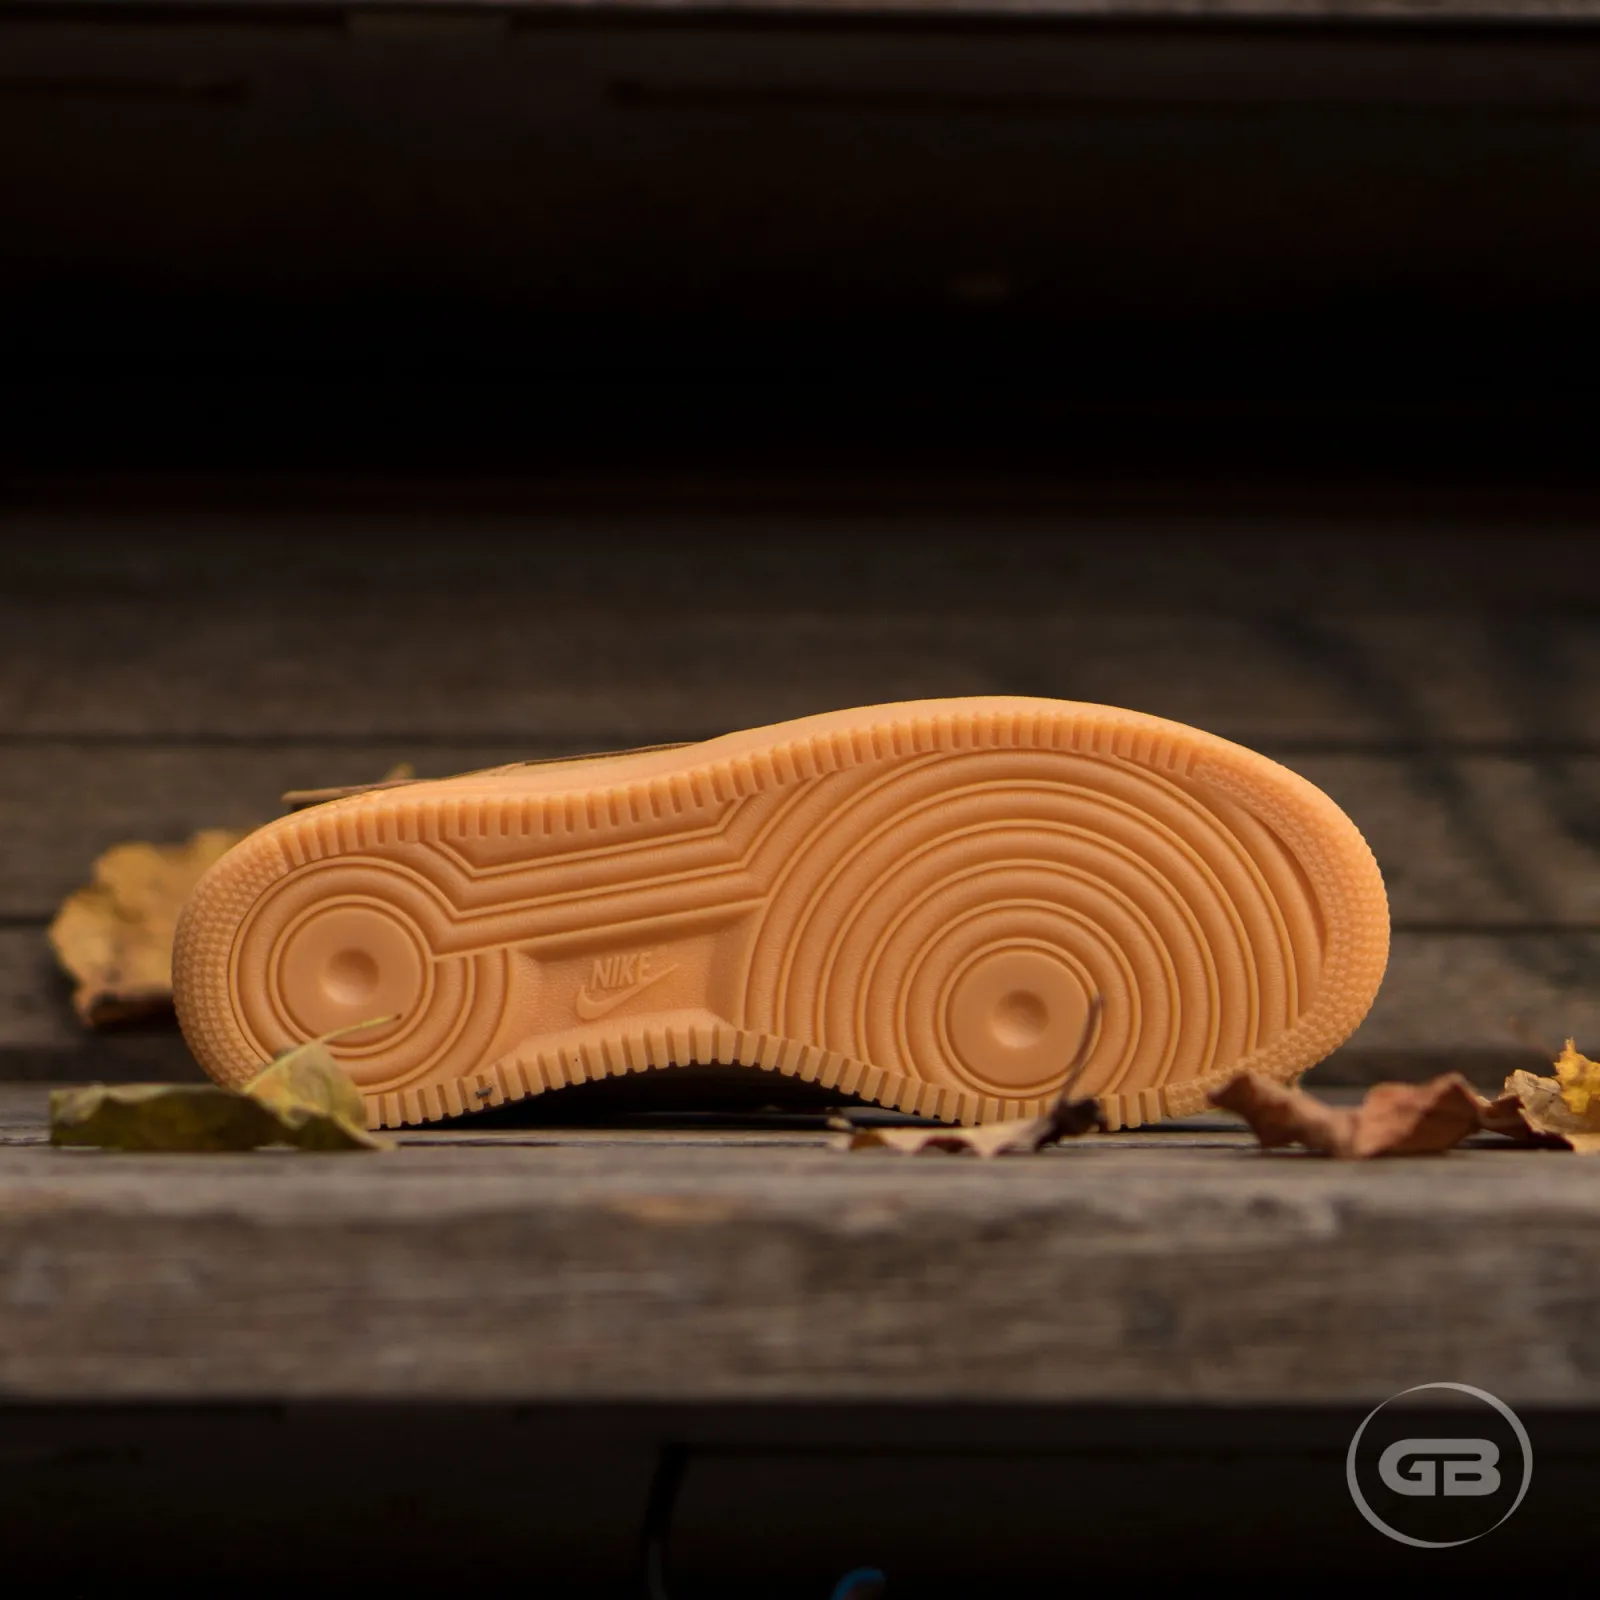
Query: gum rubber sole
(915, 903)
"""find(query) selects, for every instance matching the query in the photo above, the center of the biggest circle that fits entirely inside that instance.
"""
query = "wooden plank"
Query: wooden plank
(503, 664)
(1107, 1273)
(1466, 841)
(1483, 1002)
(1475, 841)
(952, 540)
(1442, 12)
(41, 1039)
(62, 804)
(1451, 996)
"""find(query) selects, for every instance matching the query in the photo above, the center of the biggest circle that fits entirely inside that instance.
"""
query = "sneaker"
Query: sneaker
(918, 904)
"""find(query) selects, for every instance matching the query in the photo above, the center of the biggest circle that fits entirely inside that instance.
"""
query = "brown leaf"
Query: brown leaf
(1504, 1115)
(1394, 1119)
(1066, 1119)
(115, 935)
(1544, 1113)
(302, 1098)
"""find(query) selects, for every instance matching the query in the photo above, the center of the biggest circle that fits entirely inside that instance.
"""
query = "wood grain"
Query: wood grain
(951, 540)
(176, 682)
(1495, 842)
(503, 666)
(1435, 11)
(1481, 1002)
(1105, 1273)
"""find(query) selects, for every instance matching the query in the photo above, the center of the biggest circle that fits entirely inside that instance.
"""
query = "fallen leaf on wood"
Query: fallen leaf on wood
(1579, 1078)
(397, 777)
(1563, 1110)
(302, 1098)
(159, 1116)
(1504, 1115)
(1393, 1119)
(314, 1100)
(1068, 1118)
(1537, 1110)
(114, 936)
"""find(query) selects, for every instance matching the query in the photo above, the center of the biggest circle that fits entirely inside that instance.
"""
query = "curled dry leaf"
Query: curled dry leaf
(1563, 1110)
(1579, 1078)
(1504, 1115)
(302, 1098)
(1538, 1110)
(1068, 1118)
(315, 1103)
(1393, 1119)
(114, 936)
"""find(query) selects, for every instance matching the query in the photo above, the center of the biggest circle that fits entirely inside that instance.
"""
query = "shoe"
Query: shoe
(936, 905)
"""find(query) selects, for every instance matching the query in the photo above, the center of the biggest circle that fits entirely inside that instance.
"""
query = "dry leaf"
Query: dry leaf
(159, 1116)
(1393, 1119)
(115, 935)
(1537, 1110)
(1504, 1115)
(1579, 1078)
(313, 1099)
(302, 1098)
(1066, 1119)
(1563, 1110)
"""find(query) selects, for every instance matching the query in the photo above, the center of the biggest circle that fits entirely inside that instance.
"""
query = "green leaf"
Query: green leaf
(303, 1098)
(316, 1106)
(160, 1116)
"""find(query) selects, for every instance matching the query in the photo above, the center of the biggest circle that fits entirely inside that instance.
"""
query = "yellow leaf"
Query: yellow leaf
(159, 1116)
(1579, 1078)
(1546, 1115)
(313, 1100)
(115, 935)
(302, 1098)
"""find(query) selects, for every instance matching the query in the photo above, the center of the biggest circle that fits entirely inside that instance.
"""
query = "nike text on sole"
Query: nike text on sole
(915, 903)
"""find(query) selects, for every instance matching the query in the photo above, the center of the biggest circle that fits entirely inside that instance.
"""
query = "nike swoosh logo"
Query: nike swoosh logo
(591, 1006)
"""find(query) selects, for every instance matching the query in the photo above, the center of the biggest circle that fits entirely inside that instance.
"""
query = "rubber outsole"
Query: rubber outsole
(914, 903)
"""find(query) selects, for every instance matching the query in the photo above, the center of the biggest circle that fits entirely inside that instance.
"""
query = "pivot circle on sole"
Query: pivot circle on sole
(1016, 1017)
(346, 964)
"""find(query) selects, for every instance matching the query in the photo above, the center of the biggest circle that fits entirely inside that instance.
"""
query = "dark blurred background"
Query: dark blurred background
(1057, 242)
(455, 383)
(459, 383)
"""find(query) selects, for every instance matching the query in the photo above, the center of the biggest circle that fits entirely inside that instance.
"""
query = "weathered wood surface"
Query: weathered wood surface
(1436, 11)
(506, 664)
(1468, 841)
(938, 542)
(681, 1267)
(1481, 1003)
(1447, 694)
